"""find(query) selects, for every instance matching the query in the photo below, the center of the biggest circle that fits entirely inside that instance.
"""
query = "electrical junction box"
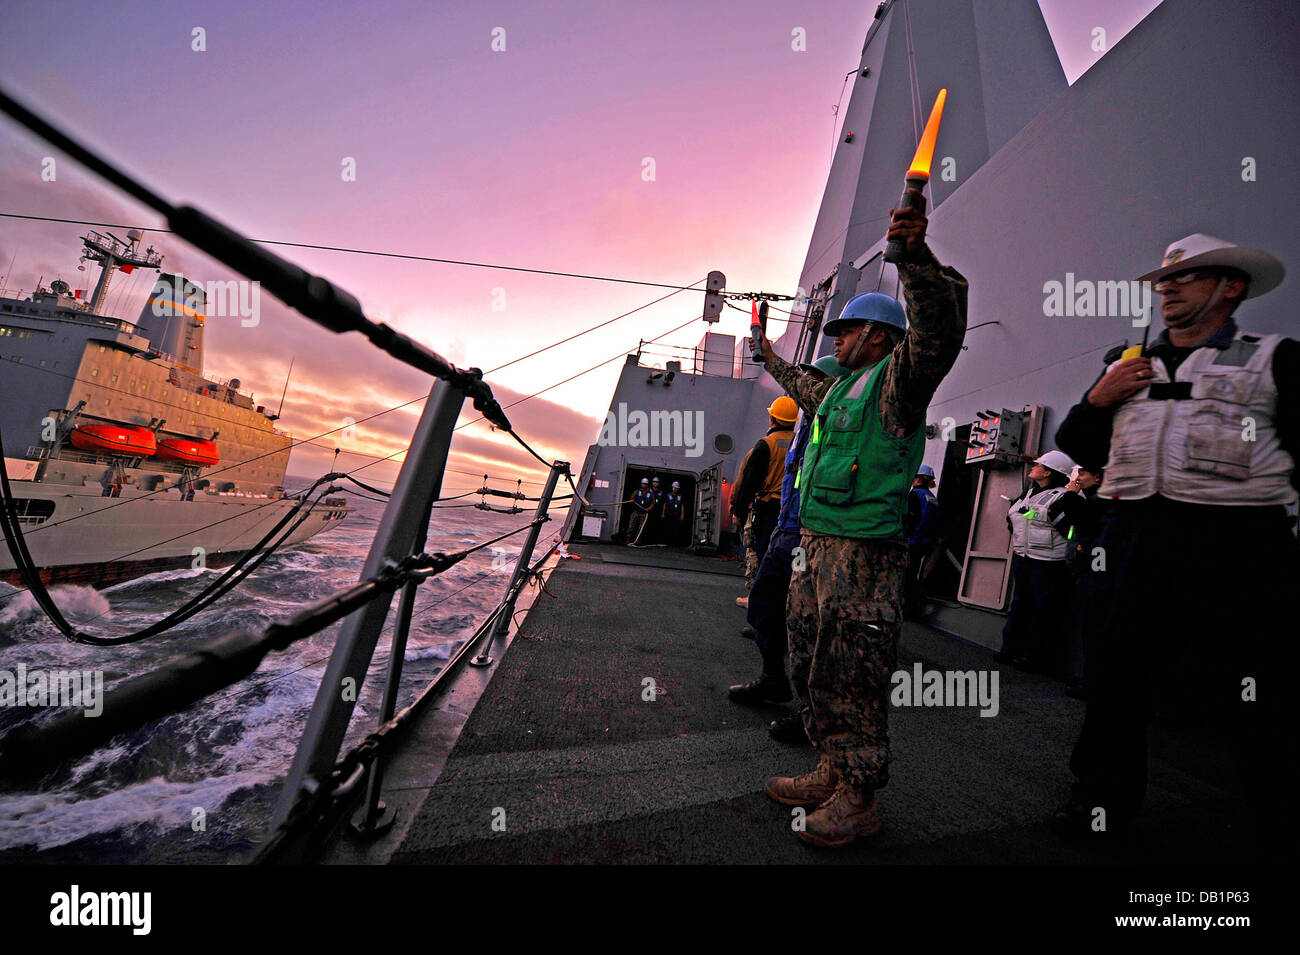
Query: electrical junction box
(997, 436)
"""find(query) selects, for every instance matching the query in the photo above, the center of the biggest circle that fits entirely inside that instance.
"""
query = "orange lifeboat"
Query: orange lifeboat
(189, 451)
(128, 440)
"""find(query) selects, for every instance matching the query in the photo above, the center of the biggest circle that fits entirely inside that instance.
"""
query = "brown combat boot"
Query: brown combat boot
(810, 789)
(848, 815)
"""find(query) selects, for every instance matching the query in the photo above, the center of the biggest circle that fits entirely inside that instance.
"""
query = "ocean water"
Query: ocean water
(222, 760)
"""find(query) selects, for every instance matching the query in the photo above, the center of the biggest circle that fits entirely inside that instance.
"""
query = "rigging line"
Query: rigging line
(621, 354)
(379, 662)
(377, 460)
(370, 488)
(298, 442)
(244, 513)
(387, 457)
(21, 556)
(374, 663)
(593, 328)
(529, 448)
(835, 113)
(214, 591)
(792, 320)
(209, 595)
(835, 238)
(362, 497)
(84, 156)
(233, 576)
(220, 470)
(335, 248)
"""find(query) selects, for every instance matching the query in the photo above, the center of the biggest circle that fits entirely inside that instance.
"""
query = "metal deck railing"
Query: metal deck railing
(319, 784)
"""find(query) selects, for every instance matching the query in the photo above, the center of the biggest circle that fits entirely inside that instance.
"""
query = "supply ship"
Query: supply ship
(123, 457)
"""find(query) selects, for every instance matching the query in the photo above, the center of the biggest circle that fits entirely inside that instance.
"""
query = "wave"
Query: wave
(79, 603)
(439, 651)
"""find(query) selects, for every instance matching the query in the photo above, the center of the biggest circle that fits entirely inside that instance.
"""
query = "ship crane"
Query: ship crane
(112, 254)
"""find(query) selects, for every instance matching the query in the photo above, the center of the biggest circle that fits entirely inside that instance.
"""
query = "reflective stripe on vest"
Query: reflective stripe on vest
(1032, 533)
(1219, 445)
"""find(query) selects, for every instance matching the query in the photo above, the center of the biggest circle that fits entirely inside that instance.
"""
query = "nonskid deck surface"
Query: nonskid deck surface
(564, 751)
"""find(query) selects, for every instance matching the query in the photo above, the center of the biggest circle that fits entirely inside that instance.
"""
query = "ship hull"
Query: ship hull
(96, 540)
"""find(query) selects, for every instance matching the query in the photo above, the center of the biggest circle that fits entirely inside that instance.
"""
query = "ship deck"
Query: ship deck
(587, 771)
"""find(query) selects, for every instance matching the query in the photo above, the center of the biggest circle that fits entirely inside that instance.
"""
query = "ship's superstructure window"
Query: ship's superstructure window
(32, 511)
(8, 332)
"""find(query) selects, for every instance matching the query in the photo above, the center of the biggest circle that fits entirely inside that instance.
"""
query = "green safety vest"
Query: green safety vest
(855, 477)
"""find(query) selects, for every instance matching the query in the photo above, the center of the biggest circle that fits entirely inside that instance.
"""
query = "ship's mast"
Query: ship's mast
(112, 253)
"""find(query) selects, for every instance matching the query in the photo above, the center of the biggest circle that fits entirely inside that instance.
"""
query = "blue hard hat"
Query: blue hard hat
(869, 307)
(925, 471)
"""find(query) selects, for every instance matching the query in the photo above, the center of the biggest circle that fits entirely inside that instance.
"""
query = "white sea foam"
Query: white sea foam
(439, 651)
(46, 820)
(78, 603)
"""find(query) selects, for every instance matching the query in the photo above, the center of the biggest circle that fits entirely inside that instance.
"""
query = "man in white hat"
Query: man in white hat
(1197, 560)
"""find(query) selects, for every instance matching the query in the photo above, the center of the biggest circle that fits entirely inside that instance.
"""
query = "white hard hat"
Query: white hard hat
(645, 480)
(677, 486)
(1056, 461)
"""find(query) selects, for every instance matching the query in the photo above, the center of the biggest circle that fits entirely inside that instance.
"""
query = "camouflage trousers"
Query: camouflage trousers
(636, 526)
(751, 552)
(843, 615)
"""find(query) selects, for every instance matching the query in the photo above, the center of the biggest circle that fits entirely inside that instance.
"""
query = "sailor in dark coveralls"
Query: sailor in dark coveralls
(642, 504)
(921, 524)
(674, 517)
(1200, 436)
(844, 608)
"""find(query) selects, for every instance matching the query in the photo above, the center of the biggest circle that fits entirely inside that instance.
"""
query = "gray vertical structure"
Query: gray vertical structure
(996, 60)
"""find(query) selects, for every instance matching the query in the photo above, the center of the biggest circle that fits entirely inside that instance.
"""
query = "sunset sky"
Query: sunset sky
(529, 157)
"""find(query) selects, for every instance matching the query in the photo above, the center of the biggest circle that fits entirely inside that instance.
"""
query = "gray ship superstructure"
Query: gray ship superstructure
(123, 457)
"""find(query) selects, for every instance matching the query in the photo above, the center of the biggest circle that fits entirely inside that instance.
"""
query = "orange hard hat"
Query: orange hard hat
(784, 409)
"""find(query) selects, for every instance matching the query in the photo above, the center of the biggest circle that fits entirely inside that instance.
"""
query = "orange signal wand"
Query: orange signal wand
(918, 174)
(755, 333)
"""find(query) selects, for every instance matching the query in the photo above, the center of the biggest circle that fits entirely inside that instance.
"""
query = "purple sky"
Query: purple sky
(528, 157)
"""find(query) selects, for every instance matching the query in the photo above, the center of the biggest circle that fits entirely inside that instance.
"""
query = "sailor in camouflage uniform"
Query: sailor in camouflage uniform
(844, 607)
